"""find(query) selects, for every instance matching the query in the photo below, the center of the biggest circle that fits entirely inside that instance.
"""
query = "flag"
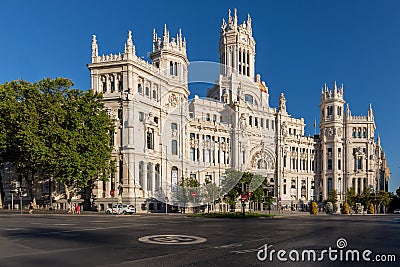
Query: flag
(263, 88)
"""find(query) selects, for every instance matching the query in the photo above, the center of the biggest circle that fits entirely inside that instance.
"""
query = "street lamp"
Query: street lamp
(166, 174)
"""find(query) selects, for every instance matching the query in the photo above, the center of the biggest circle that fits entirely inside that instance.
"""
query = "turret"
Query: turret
(169, 54)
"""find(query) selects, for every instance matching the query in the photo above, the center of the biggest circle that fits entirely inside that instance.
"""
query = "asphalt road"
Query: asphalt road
(100, 240)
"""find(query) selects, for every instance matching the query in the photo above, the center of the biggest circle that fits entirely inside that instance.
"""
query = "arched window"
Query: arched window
(249, 99)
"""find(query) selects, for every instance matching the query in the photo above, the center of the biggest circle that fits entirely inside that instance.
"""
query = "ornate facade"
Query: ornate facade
(162, 136)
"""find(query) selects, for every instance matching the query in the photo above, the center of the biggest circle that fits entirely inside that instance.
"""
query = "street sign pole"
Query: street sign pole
(243, 199)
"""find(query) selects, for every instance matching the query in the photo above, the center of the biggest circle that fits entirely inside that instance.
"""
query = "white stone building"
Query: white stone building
(162, 136)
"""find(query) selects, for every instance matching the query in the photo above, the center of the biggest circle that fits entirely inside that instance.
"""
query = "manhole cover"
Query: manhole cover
(172, 239)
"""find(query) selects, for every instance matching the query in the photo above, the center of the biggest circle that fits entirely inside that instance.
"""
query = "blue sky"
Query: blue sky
(300, 46)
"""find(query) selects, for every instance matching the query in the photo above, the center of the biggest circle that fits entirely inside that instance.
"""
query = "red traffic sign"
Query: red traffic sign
(249, 193)
(193, 194)
(243, 198)
(112, 192)
(166, 199)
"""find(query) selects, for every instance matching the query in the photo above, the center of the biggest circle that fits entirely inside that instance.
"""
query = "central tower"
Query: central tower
(236, 47)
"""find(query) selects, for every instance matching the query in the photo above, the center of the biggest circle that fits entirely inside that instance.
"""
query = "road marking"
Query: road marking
(172, 239)
(249, 250)
(233, 245)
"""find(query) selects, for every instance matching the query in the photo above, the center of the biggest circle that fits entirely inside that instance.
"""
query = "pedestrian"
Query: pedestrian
(73, 209)
(78, 209)
(30, 207)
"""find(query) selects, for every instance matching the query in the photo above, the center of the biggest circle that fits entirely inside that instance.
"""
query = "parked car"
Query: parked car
(121, 209)
(397, 211)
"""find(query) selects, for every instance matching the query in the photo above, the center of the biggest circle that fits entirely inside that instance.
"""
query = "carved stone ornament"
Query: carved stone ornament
(284, 129)
(339, 132)
(173, 100)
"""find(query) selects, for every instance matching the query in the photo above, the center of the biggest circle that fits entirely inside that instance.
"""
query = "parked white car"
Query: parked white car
(121, 209)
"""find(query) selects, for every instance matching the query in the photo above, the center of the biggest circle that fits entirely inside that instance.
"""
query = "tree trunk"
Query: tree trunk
(67, 192)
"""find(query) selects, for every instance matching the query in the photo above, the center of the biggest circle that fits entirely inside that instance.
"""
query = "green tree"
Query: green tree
(268, 201)
(183, 194)
(50, 131)
(383, 199)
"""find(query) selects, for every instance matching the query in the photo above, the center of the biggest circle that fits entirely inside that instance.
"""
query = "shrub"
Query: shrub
(346, 208)
(314, 208)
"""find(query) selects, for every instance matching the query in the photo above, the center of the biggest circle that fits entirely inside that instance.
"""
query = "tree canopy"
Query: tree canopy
(49, 130)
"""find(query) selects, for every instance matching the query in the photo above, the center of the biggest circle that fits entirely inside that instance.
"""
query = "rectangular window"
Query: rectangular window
(255, 122)
(284, 189)
(267, 124)
(329, 185)
(329, 164)
(207, 155)
(272, 124)
(339, 164)
(192, 154)
(174, 147)
(262, 123)
(192, 135)
(359, 164)
(284, 161)
(174, 126)
(149, 140)
(141, 116)
(208, 117)
(214, 118)
(147, 91)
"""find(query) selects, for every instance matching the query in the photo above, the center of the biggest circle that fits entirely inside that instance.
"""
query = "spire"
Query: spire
(223, 26)
(180, 38)
(165, 35)
(378, 140)
(348, 112)
(334, 87)
(235, 19)
(129, 47)
(248, 20)
(95, 48)
(249, 23)
(370, 112)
